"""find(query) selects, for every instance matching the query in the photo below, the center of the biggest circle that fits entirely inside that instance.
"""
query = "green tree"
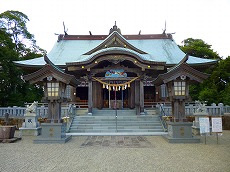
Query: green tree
(14, 22)
(8, 70)
(198, 48)
(13, 35)
(214, 89)
(219, 80)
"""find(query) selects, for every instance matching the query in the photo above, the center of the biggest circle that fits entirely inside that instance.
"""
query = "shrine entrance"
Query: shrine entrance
(114, 93)
(115, 99)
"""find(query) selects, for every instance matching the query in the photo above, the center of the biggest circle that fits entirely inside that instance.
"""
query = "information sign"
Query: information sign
(217, 125)
(204, 125)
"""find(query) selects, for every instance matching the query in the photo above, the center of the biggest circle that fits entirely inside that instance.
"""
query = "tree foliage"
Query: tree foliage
(216, 88)
(14, 23)
(16, 44)
(218, 84)
(198, 48)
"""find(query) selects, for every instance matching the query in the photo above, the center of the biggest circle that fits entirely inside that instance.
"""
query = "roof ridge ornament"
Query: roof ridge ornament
(115, 28)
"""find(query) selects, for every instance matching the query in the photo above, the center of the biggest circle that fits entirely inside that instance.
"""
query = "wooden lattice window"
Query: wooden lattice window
(179, 88)
(52, 89)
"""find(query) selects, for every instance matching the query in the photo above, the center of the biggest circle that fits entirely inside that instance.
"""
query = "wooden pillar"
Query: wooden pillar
(137, 96)
(181, 113)
(131, 95)
(90, 96)
(54, 111)
(157, 93)
(98, 96)
(141, 94)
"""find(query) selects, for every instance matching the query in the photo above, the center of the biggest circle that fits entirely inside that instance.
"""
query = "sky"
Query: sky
(208, 20)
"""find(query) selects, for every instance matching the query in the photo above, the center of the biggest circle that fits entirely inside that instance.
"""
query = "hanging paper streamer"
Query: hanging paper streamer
(115, 87)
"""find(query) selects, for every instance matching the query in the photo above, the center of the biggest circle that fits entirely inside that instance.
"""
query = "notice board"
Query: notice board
(217, 125)
(204, 125)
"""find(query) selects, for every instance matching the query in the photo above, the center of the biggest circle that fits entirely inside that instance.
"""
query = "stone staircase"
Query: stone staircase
(104, 122)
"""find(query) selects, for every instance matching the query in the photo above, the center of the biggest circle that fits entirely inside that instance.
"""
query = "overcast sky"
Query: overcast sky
(208, 20)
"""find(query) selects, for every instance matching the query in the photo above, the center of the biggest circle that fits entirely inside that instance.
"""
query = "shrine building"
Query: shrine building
(115, 70)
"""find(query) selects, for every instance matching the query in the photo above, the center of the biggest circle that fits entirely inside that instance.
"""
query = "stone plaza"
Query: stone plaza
(116, 154)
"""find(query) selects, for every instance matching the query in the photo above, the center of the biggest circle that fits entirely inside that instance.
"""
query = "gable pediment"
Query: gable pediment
(115, 39)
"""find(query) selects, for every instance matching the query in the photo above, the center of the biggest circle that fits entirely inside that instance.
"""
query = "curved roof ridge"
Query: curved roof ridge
(108, 40)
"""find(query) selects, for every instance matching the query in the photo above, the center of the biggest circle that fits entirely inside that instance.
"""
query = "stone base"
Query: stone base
(7, 132)
(30, 131)
(195, 131)
(52, 133)
(39, 140)
(12, 140)
(181, 140)
(180, 132)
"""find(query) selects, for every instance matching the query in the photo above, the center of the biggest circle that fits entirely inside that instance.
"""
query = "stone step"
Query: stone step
(110, 112)
(104, 121)
(119, 124)
(114, 130)
(113, 117)
(114, 120)
(150, 111)
(114, 127)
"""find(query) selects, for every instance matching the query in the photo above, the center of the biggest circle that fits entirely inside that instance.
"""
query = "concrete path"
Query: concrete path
(116, 154)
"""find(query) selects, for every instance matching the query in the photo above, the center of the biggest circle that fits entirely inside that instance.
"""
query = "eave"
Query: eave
(50, 70)
(181, 69)
(104, 54)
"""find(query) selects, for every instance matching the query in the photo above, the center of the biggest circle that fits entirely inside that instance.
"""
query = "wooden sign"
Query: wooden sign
(217, 125)
(204, 125)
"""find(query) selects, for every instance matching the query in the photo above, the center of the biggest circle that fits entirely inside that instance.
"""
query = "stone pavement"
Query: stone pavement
(116, 154)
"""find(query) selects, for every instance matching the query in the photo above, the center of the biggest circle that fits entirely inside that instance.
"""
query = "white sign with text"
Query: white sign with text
(204, 125)
(217, 125)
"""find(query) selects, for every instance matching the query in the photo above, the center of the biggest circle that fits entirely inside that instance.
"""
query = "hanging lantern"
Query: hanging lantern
(128, 84)
(103, 85)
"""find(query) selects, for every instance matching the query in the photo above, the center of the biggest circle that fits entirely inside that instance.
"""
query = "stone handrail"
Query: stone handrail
(214, 110)
(19, 112)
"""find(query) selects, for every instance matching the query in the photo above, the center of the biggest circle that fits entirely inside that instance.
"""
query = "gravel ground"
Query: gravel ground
(81, 156)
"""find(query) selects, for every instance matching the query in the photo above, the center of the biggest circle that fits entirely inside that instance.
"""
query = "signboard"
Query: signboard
(217, 125)
(115, 73)
(204, 125)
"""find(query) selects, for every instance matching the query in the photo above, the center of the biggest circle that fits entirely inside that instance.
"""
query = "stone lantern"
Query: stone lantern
(177, 80)
(54, 81)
